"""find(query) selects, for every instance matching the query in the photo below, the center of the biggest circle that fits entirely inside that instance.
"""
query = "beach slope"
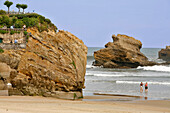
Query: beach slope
(18, 104)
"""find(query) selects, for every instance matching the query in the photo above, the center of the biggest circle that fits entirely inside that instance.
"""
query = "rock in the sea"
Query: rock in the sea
(51, 62)
(123, 52)
(165, 54)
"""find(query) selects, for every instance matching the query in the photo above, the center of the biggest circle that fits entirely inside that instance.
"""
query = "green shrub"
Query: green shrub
(39, 28)
(1, 50)
(33, 22)
(12, 32)
(2, 12)
(32, 15)
(48, 21)
(26, 21)
(3, 31)
(25, 33)
(42, 27)
(30, 22)
(4, 20)
(19, 24)
(19, 16)
(14, 19)
(41, 19)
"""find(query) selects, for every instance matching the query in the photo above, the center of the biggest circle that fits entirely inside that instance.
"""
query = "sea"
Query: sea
(127, 81)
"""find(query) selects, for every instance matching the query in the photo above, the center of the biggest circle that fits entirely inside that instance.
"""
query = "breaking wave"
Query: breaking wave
(105, 74)
(155, 68)
(136, 82)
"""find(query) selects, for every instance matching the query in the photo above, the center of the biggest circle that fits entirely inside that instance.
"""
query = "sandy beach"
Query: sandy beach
(26, 104)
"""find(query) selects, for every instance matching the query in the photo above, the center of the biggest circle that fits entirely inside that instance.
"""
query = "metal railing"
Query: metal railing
(14, 29)
(13, 45)
(14, 12)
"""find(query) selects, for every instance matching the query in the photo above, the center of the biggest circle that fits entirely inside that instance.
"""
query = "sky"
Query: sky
(95, 21)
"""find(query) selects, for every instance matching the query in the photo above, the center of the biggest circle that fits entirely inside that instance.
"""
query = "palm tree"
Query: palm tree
(23, 6)
(18, 6)
(8, 4)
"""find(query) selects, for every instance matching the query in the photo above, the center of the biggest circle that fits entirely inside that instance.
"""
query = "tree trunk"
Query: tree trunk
(8, 10)
(19, 11)
(23, 11)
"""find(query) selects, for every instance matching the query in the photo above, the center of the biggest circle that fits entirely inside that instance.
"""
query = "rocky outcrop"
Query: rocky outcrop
(4, 75)
(165, 54)
(123, 52)
(51, 63)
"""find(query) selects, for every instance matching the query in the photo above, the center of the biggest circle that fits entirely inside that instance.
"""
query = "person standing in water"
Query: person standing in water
(146, 87)
(141, 87)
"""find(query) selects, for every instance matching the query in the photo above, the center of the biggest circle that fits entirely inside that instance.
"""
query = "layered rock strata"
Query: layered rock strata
(165, 54)
(52, 63)
(123, 52)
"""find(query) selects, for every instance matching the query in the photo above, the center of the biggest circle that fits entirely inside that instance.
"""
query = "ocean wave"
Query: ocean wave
(122, 74)
(136, 82)
(104, 81)
(91, 66)
(156, 68)
(104, 75)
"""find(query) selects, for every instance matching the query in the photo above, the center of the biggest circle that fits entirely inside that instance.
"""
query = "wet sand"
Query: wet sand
(90, 104)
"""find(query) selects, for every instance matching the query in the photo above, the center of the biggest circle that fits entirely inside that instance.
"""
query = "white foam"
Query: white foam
(137, 82)
(105, 74)
(156, 68)
(108, 75)
(91, 66)
(9, 84)
(90, 74)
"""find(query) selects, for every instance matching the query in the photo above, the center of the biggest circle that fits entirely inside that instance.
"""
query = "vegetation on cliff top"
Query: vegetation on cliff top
(29, 19)
(18, 19)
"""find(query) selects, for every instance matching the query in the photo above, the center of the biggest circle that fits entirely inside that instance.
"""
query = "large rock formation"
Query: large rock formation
(52, 62)
(123, 52)
(165, 54)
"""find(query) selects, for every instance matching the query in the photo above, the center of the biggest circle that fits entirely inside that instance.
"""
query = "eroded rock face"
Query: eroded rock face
(4, 75)
(123, 52)
(165, 54)
(51, 62)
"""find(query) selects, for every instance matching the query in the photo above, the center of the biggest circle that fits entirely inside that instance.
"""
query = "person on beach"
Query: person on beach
(141, 87)
(146, 87)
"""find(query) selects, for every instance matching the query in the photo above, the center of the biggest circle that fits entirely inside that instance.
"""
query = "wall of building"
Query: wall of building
(14, 41)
